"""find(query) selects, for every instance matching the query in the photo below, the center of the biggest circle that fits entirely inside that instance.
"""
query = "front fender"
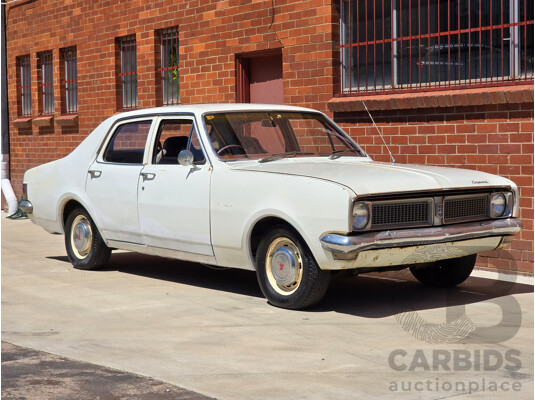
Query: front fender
(239, 199)
(260, 216)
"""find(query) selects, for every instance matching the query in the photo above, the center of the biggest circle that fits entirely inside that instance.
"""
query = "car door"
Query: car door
(112, 181)
(174, 200)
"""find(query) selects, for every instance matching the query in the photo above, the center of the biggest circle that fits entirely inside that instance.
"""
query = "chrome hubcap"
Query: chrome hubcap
(284, 266)
(81, 236)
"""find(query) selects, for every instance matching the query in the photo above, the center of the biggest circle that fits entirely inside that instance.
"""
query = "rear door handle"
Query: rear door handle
(94, 173)
(148, 176)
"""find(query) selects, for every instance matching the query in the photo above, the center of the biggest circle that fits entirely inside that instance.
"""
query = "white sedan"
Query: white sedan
(277, 189)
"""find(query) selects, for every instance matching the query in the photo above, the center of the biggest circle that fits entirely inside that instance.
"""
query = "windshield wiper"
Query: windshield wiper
(337, 153)
(278, 156)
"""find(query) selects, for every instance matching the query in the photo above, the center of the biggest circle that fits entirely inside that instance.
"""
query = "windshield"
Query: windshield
(267, 136)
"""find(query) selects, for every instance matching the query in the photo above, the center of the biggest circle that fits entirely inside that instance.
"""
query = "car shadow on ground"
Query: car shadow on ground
(230, 280)
(374, 295)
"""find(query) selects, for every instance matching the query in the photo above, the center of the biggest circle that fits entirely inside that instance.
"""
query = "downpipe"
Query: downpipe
(7, 190)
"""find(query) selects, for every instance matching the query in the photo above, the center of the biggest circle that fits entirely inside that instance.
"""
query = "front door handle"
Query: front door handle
(148, 176)
(94, 173)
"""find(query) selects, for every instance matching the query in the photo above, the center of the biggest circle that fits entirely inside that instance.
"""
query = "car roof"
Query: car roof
(200, 109)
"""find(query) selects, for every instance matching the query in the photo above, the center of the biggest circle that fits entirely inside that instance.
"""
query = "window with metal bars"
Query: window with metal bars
(170, 73)
(70, 83)
(392, 45)
(46, 82)
(128, 74)
(25, 85)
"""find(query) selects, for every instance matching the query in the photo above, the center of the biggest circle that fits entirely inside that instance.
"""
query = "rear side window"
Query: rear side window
(127, 145)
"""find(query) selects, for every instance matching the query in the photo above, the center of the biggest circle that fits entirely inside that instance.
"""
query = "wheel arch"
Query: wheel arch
(262, 226)
(69, 204)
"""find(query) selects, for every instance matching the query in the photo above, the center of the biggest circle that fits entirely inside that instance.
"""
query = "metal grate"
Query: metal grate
(465, 209)
(128, 74)
(170, 73)
(414, 45)
(46, 82)
(402, 214)
(71, 80)
(25, 86)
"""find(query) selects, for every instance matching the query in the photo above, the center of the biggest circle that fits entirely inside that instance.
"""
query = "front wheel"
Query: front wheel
(445, 273)
(85, 247)
(287, 272)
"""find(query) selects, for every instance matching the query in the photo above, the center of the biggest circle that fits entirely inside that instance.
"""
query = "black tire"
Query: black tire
(85, 247)
(445, 273)
(305, 283)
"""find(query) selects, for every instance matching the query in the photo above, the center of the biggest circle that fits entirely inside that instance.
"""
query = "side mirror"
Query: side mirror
(185, 158)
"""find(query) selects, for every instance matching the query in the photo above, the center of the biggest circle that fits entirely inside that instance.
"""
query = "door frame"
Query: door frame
(243, 84)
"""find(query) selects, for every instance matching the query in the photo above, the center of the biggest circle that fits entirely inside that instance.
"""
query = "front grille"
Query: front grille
(402, 213)
(458, 209)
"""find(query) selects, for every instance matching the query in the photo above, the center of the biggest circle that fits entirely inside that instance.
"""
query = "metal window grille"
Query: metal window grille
(128, 74)
(46, 84)
(71, 80)
(169, 70)
(411, 45)
(25, 86)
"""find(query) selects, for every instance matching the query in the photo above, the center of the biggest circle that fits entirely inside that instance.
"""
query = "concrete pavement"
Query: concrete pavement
(212, 332)
(36, 375)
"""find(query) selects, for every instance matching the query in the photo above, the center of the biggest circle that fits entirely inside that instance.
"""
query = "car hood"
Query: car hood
(366, 177)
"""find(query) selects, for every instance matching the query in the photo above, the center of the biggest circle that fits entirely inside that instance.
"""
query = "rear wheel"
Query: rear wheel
(445, 273)
(85, 247)
(287, 272)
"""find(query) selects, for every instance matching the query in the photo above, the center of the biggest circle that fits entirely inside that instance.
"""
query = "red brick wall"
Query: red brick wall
(497, 139)
(211, 34)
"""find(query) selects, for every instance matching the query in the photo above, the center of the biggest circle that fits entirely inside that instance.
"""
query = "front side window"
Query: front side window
(25, 85)
(128, 71)
(170, 74)
(175, 135)
(46, 82)
(407, 44)
(127, 146)
(267, 136)
(70, 84)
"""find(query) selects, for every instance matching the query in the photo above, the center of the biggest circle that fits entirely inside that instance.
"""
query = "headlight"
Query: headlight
(498, 205)
(361, 215)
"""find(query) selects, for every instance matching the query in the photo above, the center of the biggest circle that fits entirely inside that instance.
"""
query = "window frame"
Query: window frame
(517, 26)
(24, 85)
(115, 130)
(69, 60)
(169, 38)
(157, 134)
(127, 74)
(292, 139)
(45, 84)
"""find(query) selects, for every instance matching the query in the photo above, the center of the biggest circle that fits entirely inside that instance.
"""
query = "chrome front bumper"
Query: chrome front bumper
(348, 247)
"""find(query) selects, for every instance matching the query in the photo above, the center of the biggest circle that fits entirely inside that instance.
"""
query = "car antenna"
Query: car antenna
(380, 134)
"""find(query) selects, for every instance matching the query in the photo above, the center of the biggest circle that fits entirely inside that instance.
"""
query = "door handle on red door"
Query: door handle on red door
(148, 176)
(94, 173)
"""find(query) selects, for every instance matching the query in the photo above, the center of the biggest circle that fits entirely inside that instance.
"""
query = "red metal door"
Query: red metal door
(260, 78)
